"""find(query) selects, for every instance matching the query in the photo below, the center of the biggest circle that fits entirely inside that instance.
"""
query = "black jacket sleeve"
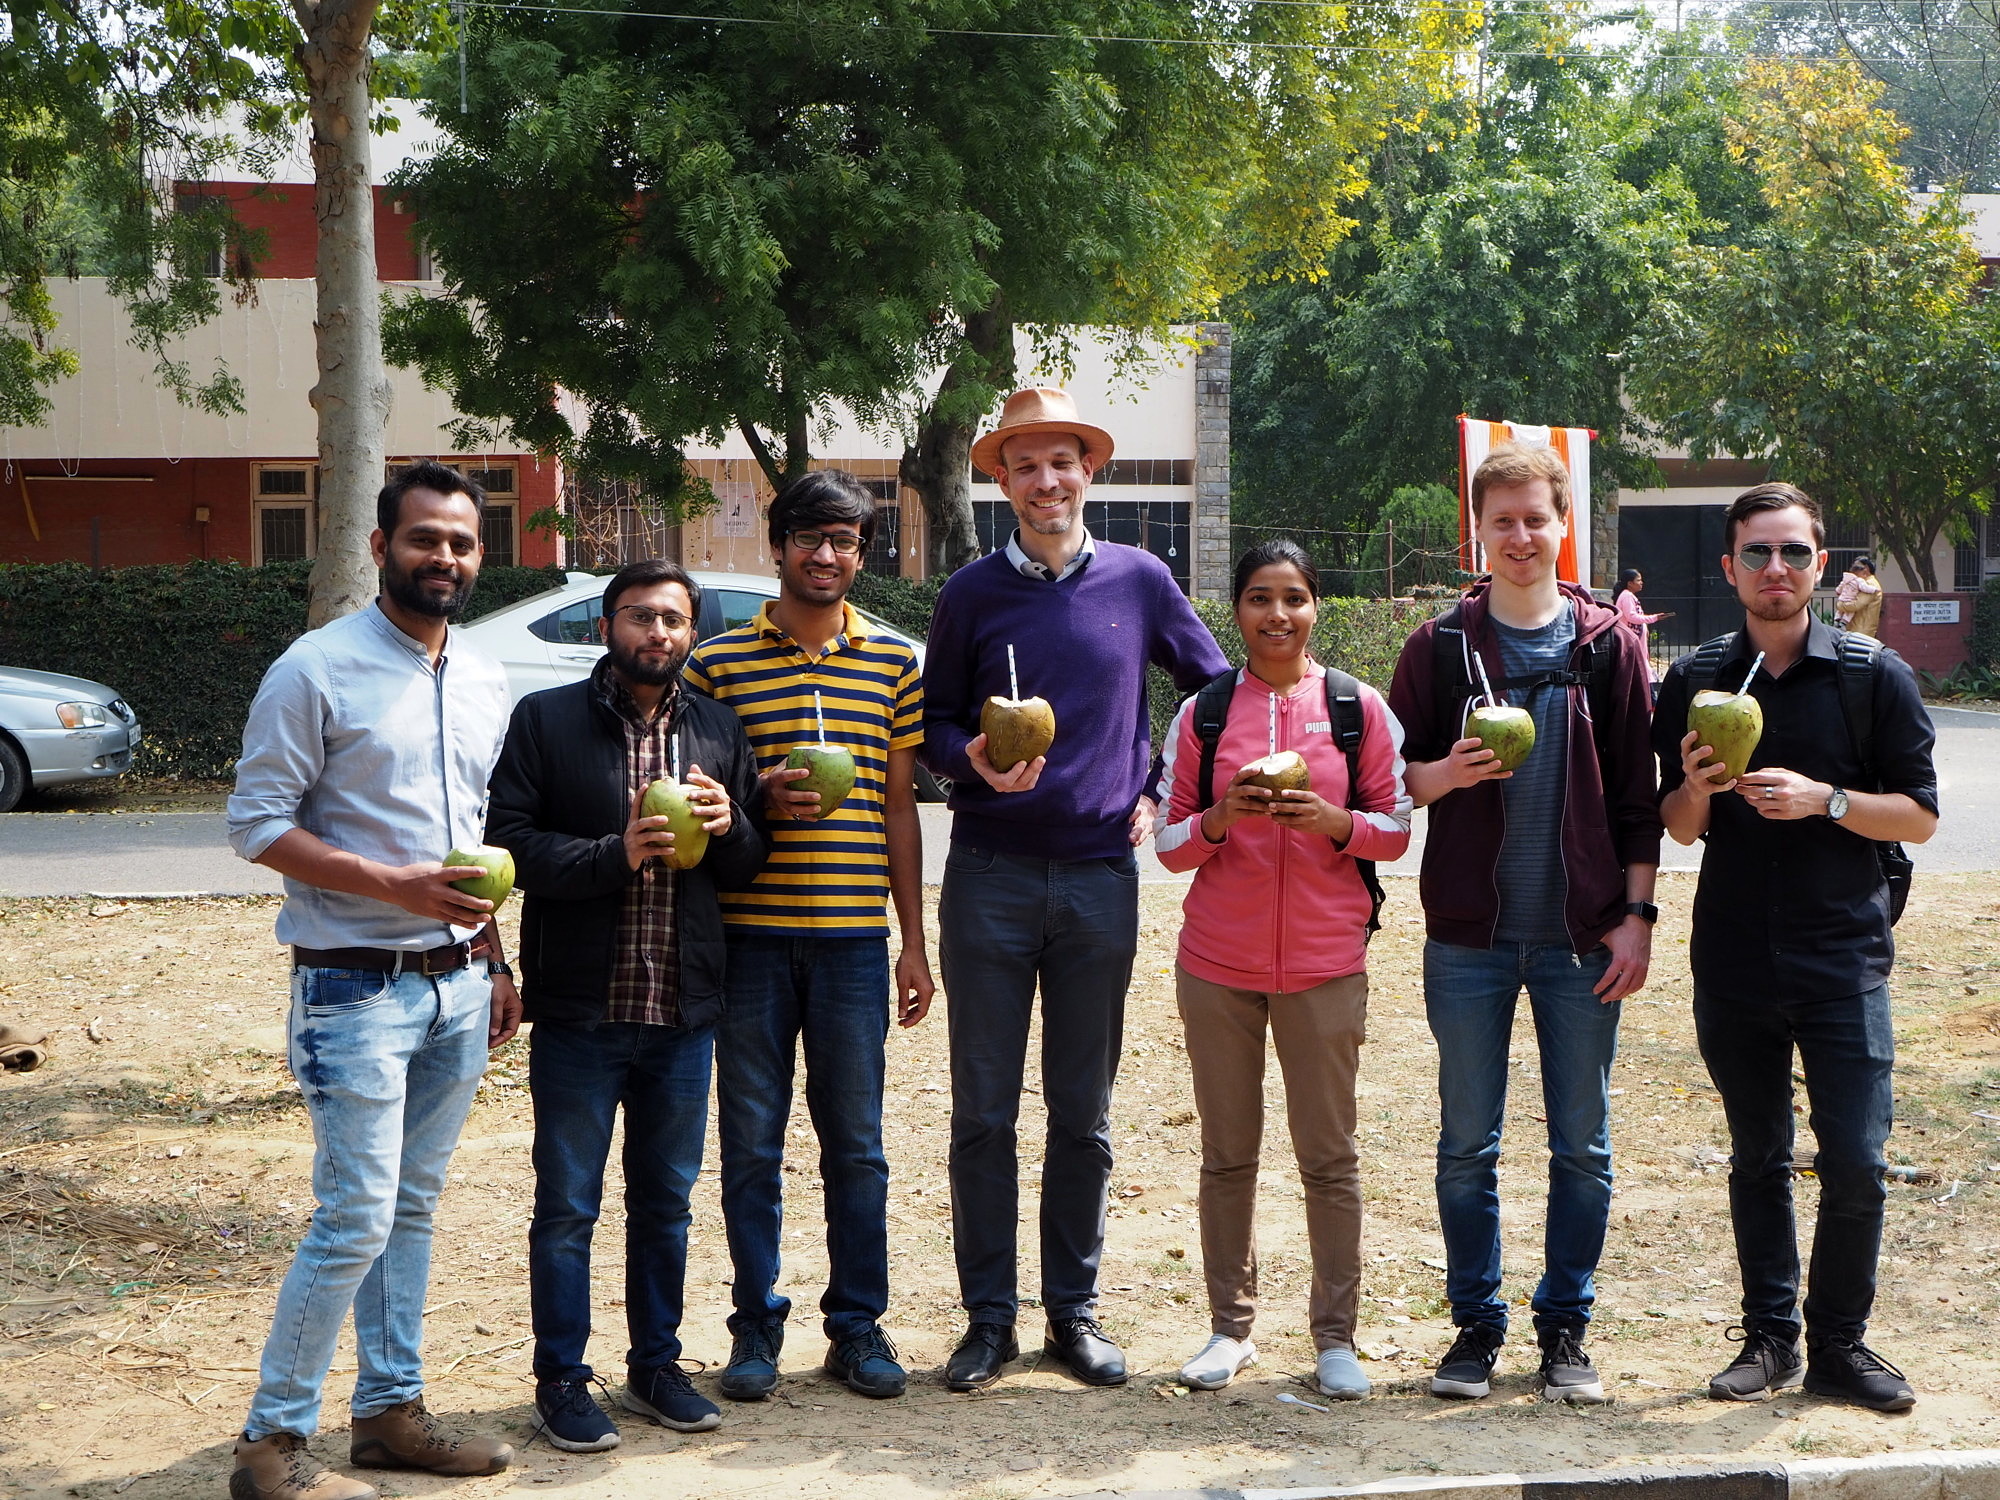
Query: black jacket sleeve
(547, 862)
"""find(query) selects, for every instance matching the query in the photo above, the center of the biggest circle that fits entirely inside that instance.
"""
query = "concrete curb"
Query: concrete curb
(1970, 1475)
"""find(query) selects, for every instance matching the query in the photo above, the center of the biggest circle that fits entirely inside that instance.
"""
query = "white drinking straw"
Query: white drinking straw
(1485, 681)
(819, 717)
(1750, 676)
(675, 744)
(1274, 725)
(1013, 682)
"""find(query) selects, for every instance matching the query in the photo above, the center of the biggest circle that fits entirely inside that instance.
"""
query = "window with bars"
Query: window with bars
(1845, 541)
(1161, 527)
(885, 548)
(284, 533)
(496, 533)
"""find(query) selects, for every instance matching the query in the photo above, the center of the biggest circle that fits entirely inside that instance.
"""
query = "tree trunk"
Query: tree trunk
(938, 465)
(353, 393)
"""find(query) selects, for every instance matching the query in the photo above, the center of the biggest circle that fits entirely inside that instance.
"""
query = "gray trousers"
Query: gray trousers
(1007, 922)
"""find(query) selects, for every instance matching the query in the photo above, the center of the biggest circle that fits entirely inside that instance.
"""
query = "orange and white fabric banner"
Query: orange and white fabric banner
(1477, 438)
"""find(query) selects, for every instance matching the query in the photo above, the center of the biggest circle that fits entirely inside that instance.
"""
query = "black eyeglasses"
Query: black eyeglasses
(1756, 556)
(841, 542)
(642, 617)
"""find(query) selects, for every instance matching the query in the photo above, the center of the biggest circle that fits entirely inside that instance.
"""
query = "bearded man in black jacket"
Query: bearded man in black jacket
(621, 959)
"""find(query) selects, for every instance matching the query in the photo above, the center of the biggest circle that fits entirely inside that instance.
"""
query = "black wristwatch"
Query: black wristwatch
(497, 968)
(1644, 910)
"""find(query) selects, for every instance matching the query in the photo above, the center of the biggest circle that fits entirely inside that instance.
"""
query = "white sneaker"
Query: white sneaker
(1341, 1376)
(1220, 1358)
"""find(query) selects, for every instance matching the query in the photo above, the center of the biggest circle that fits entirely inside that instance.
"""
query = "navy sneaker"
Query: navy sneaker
(570, 1418)
(667, 1396)
(752, 1371)
(866, 1364)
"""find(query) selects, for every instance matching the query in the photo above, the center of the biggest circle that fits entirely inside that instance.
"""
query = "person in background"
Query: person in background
(1857, 602)
(1276, 937)
(809, 940)
(365, 760)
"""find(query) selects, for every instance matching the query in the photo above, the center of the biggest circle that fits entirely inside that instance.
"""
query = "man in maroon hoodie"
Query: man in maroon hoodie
(1540, 878)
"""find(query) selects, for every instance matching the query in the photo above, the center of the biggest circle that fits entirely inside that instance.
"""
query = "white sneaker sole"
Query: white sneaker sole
(1465, 1390)
(638, 1404)
(541, 1429)
(1214, 1380)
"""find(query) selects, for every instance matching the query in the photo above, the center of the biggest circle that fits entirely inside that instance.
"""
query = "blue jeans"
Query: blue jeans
(1006, 922)
(577, 1078)
(1847, 1048)
(1469, 994)
(387, 1068)
(832, 993)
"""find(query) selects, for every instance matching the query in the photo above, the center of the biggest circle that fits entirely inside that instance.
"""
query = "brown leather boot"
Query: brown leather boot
(281, 1467)
(409, 1437)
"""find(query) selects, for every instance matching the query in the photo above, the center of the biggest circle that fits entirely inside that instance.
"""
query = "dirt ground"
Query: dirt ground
(154, 1176)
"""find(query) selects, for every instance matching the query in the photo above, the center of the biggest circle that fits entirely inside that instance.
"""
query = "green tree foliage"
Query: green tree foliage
(1508, 245)
(730, 227)
(1850, 338)
(1938, 62)
(1418, 530)
(103, 109)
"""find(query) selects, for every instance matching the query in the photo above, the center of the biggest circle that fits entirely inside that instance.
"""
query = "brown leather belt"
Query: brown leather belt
(446, 960)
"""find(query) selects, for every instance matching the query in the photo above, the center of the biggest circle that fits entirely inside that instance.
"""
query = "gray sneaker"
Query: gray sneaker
(1768, 1364)
(1467, 1368)
(1567, 1373)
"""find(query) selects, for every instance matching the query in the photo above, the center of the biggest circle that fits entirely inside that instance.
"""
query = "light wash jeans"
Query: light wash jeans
(388, 1070)
(1469, 996)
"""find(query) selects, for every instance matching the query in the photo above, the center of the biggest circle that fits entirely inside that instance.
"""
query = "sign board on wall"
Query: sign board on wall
(736, 510)
(1934, 612)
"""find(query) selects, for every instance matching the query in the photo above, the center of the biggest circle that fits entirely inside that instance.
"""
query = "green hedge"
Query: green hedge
(1982, 646)
(186, 644)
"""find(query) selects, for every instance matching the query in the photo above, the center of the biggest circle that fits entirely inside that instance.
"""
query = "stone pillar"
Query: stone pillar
(1211, 563)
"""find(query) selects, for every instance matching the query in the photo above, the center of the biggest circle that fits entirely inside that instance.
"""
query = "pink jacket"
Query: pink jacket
(1272, 909)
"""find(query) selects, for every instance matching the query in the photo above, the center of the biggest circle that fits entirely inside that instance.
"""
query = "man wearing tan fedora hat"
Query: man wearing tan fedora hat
(1041, 885)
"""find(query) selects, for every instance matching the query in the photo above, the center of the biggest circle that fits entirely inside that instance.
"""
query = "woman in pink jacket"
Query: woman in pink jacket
(1276, 935)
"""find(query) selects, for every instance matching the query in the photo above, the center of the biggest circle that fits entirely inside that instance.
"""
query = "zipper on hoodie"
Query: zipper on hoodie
(1284, 860)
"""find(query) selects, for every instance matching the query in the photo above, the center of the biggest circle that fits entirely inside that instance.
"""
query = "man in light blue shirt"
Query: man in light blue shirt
(365, 760)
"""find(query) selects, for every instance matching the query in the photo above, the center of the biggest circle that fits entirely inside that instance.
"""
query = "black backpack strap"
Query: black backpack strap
(1450, 687)
(1706, 663)
(1211, 712)
(1343, 711)
(1860, 660)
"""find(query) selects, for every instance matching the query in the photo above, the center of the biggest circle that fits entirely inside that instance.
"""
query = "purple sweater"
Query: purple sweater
(1082, 643)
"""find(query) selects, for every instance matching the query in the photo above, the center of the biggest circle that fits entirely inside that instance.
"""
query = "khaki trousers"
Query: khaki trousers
(1318, 1033)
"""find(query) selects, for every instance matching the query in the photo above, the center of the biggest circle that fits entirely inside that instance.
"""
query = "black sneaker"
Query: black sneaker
(752, 1371)
(1768, 1364)
(1846, 1369)
(1566, 1373)
(866, 1364)
(570, 1418)
(1467, 1367)
(664, 1393)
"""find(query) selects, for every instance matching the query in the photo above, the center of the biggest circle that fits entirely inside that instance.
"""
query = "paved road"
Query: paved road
(69, 854)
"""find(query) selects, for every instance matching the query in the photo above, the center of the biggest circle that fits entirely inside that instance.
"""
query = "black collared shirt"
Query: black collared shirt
(1797, 909)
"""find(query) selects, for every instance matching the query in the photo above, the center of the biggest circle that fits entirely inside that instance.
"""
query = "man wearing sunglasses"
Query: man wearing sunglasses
(809, 940)
(621, 968)
(1792, 947)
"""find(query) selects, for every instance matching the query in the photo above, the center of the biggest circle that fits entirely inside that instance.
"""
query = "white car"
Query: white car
(551, 638)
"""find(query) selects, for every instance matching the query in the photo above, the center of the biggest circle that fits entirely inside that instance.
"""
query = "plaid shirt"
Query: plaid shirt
(646, 970)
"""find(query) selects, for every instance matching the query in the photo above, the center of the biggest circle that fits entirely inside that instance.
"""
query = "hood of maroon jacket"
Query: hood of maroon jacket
(1611, 815)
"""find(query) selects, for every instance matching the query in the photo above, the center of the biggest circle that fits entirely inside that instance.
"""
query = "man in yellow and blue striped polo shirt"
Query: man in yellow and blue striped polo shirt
(808, 956)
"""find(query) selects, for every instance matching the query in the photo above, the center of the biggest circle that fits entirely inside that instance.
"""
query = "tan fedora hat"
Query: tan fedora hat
(1039, 408)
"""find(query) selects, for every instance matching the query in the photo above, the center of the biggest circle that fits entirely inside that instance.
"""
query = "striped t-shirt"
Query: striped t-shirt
(831, 875)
